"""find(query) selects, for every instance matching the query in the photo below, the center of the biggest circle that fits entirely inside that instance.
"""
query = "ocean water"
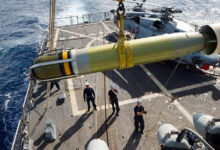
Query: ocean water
(23, 24)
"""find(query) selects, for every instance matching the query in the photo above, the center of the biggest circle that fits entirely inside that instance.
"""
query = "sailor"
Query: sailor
(113, 99)
(190, 137)
(89, 95)
(138, 117)
(56, 83)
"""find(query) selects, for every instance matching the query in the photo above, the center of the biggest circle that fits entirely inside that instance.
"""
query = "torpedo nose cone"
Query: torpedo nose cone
(97, 144)
(163, 130)
(208, 127)
(169, 141)
(200, 121)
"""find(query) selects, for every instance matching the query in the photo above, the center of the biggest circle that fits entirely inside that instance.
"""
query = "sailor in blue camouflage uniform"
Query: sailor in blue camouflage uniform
(138, 117)
(113, 99)
(89, 95)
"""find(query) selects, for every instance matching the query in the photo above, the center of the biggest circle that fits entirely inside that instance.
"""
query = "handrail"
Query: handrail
(43, 45)
(20, 120)
(84, 18)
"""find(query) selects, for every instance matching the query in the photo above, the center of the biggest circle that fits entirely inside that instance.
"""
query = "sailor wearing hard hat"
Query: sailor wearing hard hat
(113, 99)
(89, 95)
(138, 117)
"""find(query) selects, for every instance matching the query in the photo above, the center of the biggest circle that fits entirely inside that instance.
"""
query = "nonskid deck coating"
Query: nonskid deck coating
(75, 128)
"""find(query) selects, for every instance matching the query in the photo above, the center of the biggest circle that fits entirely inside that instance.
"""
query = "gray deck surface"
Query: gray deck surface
(75, 128)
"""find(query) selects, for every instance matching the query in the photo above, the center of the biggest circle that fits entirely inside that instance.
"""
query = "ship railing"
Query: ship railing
(85, 18)
(19, 141)
(19, 137)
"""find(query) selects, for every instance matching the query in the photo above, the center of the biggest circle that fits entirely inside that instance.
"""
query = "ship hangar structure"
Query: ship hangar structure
(174, 102)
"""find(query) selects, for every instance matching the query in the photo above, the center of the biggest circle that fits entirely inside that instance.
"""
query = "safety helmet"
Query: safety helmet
(138, 101)
(112, 86)
(87, 83)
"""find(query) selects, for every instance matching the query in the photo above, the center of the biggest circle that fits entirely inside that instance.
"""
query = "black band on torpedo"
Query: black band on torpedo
(60, 56)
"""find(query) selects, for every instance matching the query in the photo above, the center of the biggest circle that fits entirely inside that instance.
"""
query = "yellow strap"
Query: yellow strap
(130, 56)
(126, 58)
(121, 26)
(66, 65)
(121, 52)
(121, 48)
(118, 23)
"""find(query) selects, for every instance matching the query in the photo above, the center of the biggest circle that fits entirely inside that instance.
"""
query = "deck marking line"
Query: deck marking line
(163, 89)
(125, 102)
(81, 35)
(120, 75)
(91, 34)
(99, 37)
(80, 25)
(193, 86)
(109, 30)
(145, 97)
(93, 40)
(184, 111)
(68, 39)
(166, 92)
(72, 97)
(56, 37)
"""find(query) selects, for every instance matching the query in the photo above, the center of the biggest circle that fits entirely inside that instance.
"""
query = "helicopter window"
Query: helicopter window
(136, 20)
(153, 16)
(176, 30)
(158, 24)
(196, 60)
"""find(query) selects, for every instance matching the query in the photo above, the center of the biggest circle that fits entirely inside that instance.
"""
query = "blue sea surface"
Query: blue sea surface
(22, 27)
(23, 24)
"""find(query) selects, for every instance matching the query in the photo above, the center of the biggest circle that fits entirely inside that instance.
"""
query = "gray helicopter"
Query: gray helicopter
(144, 22)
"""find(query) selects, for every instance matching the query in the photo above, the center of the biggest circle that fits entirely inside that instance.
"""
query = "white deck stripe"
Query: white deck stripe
(56, 37)
(166, 92)
(81, 35)
(145, 97)
(77, 112)
(118, 73)
(109, 30)
(72, 96)
(125, 102)
(95, 39)
(92, 34)
(193, 86)
(184, 111)
(163, 89)
(80, 25)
